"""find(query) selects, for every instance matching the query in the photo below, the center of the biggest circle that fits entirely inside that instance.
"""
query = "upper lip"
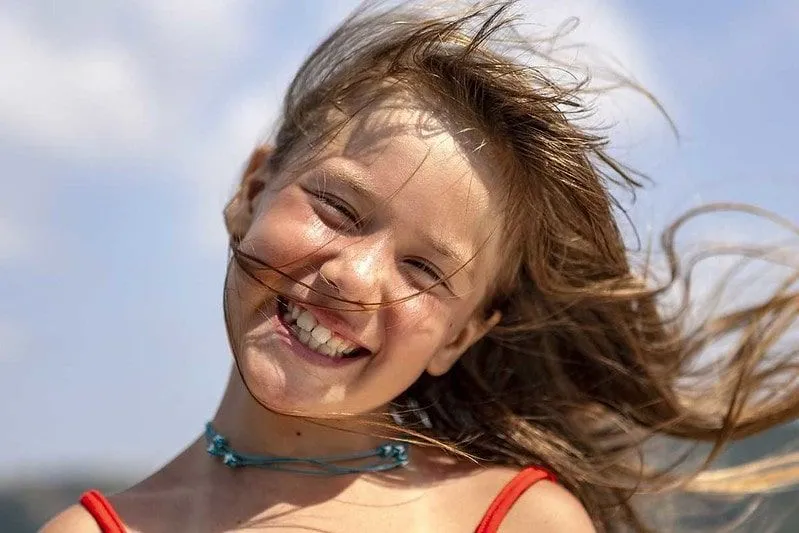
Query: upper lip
(335, 322)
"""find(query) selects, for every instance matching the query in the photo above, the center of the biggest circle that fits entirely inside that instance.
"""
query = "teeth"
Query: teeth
(306, 321)
(321, 334)
(314, 335)
(295, 311)
(335, 343)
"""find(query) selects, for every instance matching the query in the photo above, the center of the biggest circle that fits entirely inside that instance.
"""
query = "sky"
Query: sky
(124, 125)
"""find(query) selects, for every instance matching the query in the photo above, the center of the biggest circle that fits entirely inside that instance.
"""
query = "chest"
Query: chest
(443, 510)
(411, 517)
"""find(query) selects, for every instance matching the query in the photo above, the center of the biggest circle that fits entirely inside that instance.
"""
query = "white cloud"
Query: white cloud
(84, 101)
(113, 80)
(200, 28)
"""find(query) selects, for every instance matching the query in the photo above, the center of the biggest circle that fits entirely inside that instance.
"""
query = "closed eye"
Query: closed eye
(340, 206)
(428, 269)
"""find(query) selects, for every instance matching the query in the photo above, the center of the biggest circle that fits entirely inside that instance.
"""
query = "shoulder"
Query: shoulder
(75, 519)
(547, 507)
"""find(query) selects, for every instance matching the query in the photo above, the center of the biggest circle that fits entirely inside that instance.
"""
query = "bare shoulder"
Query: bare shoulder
(73, 520)
(547, 507)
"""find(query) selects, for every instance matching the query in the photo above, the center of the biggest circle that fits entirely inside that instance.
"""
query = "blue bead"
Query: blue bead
(386, 450)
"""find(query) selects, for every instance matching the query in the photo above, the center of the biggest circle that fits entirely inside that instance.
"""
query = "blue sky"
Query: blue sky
(123, 126)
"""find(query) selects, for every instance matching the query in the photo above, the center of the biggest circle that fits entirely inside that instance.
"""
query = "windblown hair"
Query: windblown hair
(586, 364)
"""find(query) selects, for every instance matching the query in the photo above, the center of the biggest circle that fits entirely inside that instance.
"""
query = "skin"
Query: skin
(408, 178)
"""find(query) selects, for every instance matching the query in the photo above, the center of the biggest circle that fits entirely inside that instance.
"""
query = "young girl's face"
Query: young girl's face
(391, 206)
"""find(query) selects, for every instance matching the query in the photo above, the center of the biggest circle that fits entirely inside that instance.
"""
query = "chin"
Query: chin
(289, 389)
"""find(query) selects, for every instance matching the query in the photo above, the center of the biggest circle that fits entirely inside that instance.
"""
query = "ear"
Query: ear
(474, 330)
(239, 210)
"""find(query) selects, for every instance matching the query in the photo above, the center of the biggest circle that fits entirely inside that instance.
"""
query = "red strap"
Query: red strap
(102, 512)
(508, 496)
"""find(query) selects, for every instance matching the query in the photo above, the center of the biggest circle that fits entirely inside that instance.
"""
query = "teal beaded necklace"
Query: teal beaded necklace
(388, 456)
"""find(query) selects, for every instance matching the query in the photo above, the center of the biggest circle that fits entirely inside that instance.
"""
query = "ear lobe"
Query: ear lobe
(474, 330)
(238, 211)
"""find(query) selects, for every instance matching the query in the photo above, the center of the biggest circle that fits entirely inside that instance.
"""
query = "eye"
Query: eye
(428, 269)
(341, 207)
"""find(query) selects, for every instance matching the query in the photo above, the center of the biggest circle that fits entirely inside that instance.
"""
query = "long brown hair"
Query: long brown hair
(586, 364)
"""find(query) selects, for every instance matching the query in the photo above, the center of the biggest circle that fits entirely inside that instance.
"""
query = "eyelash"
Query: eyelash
(427, 269)
(340, 206)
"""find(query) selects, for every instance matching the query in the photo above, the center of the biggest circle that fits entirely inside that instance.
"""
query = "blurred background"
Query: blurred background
(124, 124)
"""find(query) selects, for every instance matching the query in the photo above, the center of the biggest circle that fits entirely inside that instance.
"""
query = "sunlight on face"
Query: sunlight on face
(391, 207)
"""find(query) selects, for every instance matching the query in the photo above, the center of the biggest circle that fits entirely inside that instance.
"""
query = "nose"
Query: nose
(355, 270)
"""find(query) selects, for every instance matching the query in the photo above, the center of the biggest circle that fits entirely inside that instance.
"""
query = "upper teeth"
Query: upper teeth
(314, 335)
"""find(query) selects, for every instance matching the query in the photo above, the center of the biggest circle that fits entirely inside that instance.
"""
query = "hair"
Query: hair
(587, 363)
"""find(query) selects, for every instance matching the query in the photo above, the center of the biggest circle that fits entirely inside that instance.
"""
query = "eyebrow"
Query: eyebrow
(356, 177)
(443, 248)
(352, 174)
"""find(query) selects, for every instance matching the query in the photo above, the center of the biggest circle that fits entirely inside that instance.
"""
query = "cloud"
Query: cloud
(113, 83)
(79, 101)
(197, 28)
(113, 80)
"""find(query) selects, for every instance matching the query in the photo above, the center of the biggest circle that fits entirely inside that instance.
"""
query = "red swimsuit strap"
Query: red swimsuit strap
(102, 512)
(508, 496)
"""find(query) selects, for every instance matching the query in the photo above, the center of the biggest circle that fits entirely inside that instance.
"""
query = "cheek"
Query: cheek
(286, 231)
(422, 321)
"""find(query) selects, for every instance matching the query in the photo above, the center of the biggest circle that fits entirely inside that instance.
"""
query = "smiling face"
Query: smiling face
(390, 207)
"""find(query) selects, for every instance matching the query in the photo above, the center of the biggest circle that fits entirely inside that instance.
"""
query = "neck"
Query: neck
(251, 428)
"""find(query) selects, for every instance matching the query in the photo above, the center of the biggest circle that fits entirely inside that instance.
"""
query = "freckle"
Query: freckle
(298, 434)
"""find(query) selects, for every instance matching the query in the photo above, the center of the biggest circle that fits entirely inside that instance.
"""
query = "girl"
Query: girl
(433, 317)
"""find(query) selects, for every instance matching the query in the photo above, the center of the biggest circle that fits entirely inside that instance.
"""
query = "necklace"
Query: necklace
(388, 456)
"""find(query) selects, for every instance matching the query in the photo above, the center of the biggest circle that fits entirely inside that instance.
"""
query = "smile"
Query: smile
(304, 326)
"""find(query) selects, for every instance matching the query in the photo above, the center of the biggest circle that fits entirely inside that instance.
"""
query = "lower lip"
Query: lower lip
(312, 355)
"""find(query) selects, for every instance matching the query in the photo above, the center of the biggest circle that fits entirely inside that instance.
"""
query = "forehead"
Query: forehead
(426, 176)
